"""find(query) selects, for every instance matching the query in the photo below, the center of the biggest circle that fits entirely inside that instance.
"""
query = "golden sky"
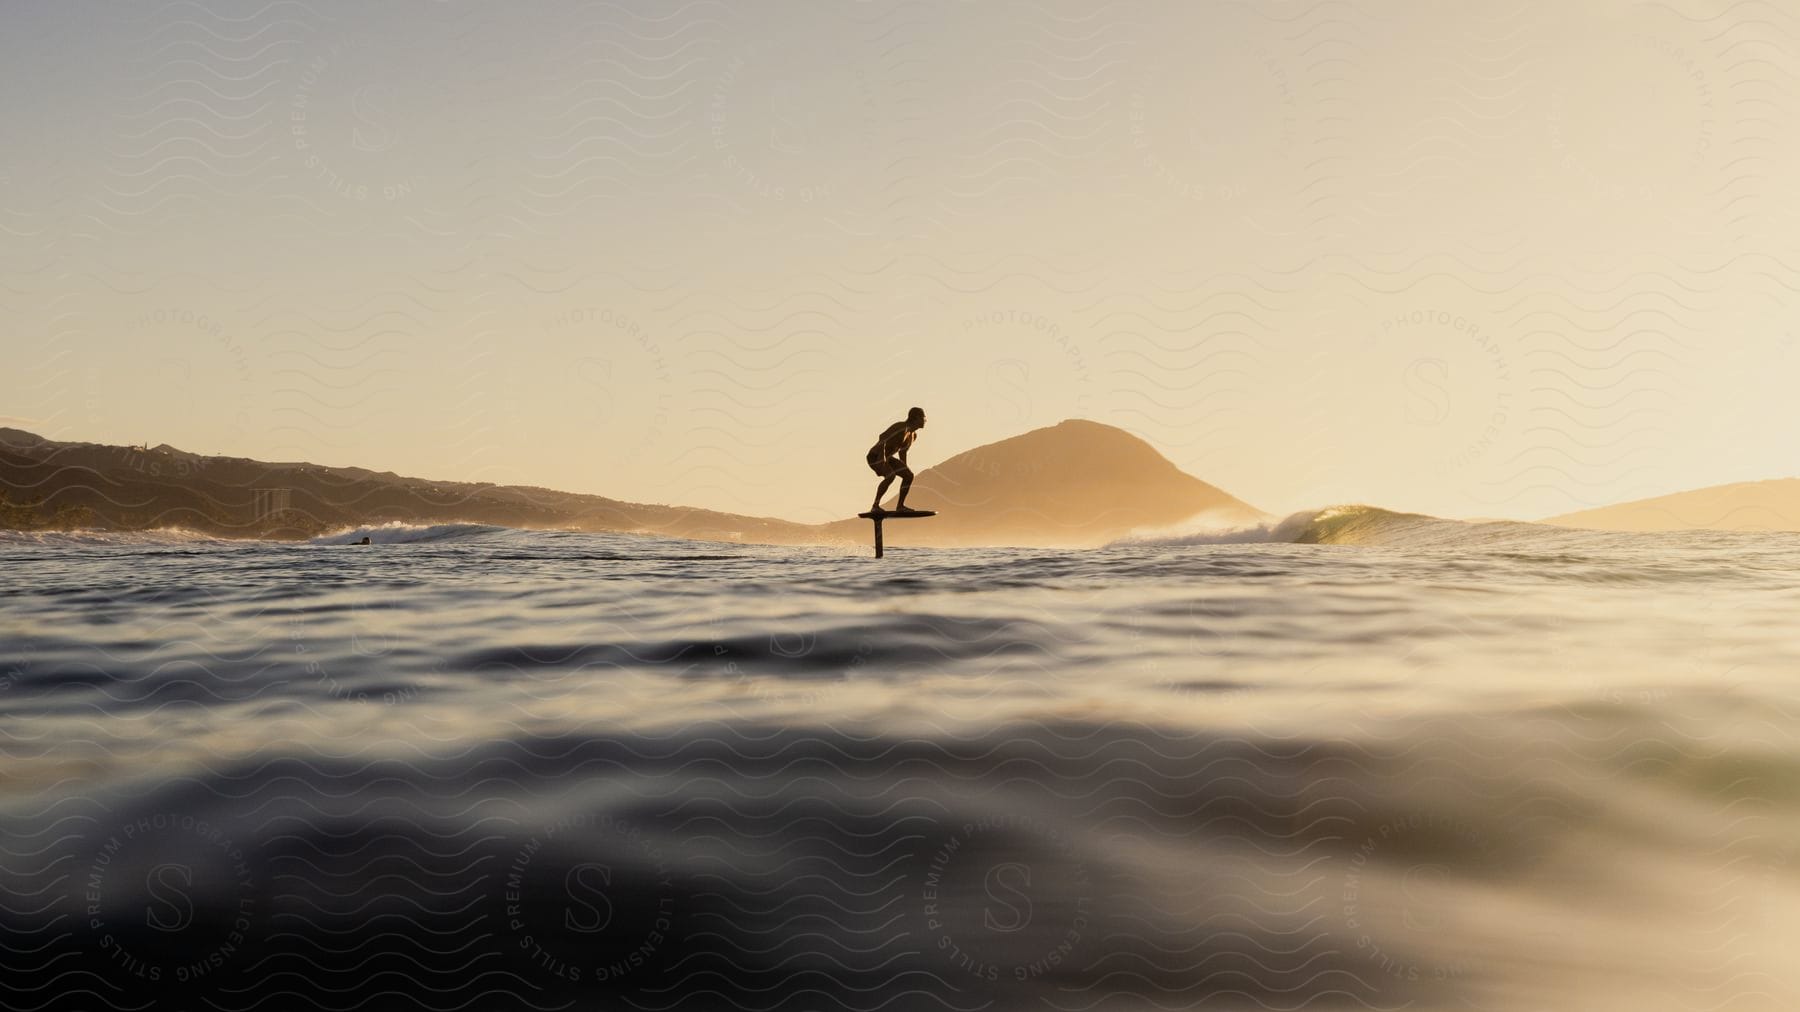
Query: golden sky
(1466, 259)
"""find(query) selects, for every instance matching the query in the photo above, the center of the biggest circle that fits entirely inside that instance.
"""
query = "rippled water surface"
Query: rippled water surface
(1423, 765)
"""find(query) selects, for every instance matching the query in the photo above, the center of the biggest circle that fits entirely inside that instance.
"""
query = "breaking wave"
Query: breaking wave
(1374, 527)
(158, 536)
(397, 533)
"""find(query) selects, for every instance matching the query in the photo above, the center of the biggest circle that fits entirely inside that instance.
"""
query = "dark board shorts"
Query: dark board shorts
(885, 467)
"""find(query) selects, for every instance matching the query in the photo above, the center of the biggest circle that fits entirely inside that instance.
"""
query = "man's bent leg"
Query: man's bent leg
(906, 477)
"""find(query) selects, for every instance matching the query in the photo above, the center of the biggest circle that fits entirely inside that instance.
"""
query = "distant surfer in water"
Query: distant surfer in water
(888, 458)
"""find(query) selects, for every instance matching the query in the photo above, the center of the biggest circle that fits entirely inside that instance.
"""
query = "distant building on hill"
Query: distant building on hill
(269, 503)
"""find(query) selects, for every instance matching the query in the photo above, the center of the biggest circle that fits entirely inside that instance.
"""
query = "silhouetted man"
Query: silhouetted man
(888, 458)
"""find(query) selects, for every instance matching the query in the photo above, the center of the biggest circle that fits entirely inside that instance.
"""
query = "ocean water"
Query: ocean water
(1352, 760)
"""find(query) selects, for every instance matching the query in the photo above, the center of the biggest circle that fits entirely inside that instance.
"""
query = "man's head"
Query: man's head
(915, 419)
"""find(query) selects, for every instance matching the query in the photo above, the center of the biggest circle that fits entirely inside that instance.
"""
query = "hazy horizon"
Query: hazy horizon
(1463, 263)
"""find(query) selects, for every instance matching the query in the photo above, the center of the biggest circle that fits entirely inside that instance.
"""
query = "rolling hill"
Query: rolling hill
(49, 484)
(1743, 506)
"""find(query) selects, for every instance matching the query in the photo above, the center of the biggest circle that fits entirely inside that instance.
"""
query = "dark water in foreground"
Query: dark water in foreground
(1426, 765)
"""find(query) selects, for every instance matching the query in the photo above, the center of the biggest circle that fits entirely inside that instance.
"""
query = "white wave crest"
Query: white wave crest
(104, 538)
(398, 533)
(1201, 531)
